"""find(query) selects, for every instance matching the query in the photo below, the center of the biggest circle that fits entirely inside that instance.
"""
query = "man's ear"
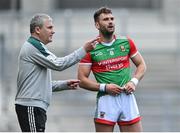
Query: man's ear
(37, 30)
(97, 25)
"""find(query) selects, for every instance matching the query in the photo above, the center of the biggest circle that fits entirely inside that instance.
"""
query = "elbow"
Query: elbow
(81, 83)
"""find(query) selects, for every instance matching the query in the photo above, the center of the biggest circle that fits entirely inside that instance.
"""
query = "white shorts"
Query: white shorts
(121, 109)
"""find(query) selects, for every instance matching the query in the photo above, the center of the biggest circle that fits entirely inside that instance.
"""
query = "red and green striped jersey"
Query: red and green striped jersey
(111, 64)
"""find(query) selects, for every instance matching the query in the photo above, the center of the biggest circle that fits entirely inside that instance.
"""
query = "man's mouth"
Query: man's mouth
(111, 27)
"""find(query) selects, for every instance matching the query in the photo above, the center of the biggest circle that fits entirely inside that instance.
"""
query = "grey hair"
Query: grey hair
(38, 21)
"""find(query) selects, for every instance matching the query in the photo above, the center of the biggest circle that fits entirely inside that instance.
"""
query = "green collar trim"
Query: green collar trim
(37, 44)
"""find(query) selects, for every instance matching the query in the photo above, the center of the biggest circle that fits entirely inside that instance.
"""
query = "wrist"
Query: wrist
(135, 81)
(102, 87)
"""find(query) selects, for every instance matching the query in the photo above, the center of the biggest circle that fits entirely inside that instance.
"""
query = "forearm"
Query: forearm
(140, 66)
(140, 71)
(58, 63)
(69, 60)
(59, 85)
(89, 84)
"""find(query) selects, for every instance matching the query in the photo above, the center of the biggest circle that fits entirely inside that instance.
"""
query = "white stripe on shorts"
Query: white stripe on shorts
(31, 118)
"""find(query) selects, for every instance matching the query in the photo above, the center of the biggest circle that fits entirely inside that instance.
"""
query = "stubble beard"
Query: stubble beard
(107, 34)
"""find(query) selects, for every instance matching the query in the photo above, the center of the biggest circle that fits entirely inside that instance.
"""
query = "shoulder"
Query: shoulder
(126, 38)
(28, 49)
(122, 37)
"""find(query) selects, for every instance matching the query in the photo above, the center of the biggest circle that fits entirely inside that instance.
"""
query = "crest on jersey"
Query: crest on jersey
(122, 48)
(102, 114)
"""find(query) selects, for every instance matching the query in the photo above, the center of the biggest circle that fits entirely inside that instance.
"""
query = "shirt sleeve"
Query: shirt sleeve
(59, 85)
(133, 49)
(86, 60)
(58, 63)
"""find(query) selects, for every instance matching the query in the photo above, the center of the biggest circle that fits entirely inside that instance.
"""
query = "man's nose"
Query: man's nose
(110, 21)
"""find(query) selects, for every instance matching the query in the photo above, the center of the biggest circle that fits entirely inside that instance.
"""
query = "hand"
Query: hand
(73, 84)
(129, 87)
(113, 89)
(90, 45)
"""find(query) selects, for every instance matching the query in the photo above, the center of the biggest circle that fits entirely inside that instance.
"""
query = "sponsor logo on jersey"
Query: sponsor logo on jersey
(98, 53)
(111, 64)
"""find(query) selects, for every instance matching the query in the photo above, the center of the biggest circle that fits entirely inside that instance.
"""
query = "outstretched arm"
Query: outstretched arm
(65, 85)
(48, 60)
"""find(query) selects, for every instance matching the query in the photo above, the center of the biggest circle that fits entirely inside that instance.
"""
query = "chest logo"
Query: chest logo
(122, 48)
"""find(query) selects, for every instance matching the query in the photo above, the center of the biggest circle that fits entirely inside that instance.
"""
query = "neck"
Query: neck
(106, 39)
(38, 38)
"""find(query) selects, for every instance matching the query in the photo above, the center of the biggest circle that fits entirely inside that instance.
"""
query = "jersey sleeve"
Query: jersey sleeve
(133, 49)
(86, 60)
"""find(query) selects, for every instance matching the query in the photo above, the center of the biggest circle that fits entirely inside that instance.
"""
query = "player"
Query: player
(110, 64)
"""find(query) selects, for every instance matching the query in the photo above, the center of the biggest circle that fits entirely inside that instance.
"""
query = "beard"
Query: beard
(106, 33)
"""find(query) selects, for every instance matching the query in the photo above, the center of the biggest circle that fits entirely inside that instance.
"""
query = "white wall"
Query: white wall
(29, 6)
(171, 10)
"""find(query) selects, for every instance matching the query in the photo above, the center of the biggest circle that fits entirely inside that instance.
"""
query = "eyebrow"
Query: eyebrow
(112, 18)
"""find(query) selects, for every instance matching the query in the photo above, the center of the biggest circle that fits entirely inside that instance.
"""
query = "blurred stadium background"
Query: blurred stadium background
(153, 24)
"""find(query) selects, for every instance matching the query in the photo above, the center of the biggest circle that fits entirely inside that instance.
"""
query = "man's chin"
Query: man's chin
(110, 33)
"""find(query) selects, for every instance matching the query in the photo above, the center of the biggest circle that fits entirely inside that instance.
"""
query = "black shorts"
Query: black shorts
(31, 119)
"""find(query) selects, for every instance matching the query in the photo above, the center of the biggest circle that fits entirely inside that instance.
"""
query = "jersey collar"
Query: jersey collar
(107, 44)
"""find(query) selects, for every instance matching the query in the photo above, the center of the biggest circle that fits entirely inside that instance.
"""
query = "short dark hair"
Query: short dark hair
(100, 11)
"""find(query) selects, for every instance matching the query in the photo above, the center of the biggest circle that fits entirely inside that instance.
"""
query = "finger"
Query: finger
(118, 87)
(74, 81)
(119, 91)
(114, 94)
(95, 40)
(127, 87)
(73, 88)
(124, 87)
(75, 85)
(129, 91)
